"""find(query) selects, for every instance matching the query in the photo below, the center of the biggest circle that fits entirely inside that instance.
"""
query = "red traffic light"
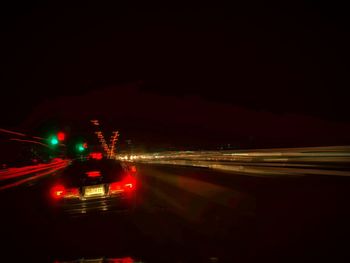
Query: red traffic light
(61, 136)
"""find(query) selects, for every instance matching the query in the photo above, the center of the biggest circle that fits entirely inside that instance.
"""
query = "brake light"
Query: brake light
(116, 187)
(93, 174)
(72, 193)
(58, 191)
(127, 184)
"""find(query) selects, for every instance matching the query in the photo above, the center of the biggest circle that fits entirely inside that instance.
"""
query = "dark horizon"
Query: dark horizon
(158, 121)
(263, 75)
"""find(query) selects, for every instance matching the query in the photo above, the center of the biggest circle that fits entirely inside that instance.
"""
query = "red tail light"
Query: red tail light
(127, 184)
(72, 193)
(116, 187)
(59, 191)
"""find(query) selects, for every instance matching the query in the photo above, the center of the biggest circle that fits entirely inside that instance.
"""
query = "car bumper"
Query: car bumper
(96, 204)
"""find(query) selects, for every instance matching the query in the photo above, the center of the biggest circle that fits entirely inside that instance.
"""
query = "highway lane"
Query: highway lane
(189, 215)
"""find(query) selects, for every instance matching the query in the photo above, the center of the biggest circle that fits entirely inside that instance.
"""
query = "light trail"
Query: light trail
(30, 141)
(29, 172)
(17, 172)
(266, 162)
(12, 132)
(31, 178)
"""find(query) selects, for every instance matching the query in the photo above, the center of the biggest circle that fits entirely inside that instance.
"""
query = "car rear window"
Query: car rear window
(78, 172)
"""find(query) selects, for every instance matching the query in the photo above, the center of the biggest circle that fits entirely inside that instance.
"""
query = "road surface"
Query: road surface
(188, 214)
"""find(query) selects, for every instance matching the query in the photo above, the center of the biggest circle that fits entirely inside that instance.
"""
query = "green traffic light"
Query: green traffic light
(54, 141)
(81, 148)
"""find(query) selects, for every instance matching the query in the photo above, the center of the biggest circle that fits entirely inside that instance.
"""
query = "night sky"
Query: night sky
(263, 75)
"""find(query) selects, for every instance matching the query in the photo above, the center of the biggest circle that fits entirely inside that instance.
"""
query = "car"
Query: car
(93, 185)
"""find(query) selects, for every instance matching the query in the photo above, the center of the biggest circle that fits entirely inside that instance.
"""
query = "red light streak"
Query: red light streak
(12, 132)
(21, 140)
(34, 177)
(37, 171)
(39, 138)
(17, 172)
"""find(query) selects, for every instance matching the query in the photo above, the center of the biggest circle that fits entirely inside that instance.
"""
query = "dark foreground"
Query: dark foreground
(189, 215)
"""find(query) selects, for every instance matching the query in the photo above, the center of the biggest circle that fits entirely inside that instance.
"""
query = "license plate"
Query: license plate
(96, 190)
